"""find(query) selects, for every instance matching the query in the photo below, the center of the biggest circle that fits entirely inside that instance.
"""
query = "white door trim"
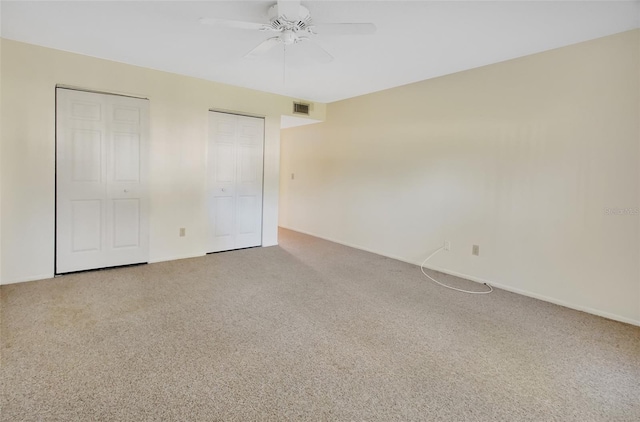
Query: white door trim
(237, 189)
(117, 191)
(97, 91)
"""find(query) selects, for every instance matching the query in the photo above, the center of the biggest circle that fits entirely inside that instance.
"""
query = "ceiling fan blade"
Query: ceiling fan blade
(263, 47)
(227, 23)
(315, 52)
(343, 28)
(290, 9)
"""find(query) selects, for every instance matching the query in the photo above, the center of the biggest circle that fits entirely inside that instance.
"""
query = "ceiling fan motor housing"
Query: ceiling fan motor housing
(292, 25)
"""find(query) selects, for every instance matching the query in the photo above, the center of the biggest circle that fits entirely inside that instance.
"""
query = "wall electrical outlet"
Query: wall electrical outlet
(293, 176)
(447, 245)
(475, 250)
(182, 231)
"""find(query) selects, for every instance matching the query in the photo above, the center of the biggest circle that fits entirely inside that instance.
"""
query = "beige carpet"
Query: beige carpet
(309, 330)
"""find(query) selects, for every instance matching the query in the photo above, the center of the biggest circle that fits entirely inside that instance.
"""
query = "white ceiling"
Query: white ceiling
(416, 40)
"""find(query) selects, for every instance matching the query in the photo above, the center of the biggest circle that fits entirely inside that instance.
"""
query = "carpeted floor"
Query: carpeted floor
(306, 331)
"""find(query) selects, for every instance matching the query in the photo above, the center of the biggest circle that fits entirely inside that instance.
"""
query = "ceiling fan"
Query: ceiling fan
(292, 23)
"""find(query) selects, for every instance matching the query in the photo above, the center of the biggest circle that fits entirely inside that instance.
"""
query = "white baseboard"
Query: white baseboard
(151, 261)
(26, 279)
(502, 286)
(351, 245)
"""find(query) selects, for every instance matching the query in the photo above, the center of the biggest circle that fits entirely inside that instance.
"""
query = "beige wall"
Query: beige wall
(0, 156)
(521, 158)
(179, 107)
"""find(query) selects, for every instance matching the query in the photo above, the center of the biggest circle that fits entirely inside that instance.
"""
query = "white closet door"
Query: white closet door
(234, 188)
(101, 187)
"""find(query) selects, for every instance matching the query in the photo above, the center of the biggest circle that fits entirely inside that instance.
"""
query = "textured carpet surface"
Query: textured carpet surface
(308, 330)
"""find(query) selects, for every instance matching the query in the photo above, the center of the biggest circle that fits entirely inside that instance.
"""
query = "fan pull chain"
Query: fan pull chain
(284, 67)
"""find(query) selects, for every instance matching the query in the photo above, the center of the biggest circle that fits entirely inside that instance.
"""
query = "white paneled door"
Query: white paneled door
(101, 187)
(234, 188)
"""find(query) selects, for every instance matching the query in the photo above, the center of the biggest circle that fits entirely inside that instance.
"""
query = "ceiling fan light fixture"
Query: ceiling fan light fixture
(289, 37)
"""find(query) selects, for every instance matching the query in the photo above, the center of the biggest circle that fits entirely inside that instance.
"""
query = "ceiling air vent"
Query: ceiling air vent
(300, 108)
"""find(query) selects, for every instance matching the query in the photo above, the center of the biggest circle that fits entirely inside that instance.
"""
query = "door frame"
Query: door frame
(55, 164)
(264, 136)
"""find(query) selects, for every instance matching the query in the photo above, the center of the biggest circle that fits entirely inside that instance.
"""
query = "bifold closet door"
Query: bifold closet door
(101, 186)
(234, 185)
